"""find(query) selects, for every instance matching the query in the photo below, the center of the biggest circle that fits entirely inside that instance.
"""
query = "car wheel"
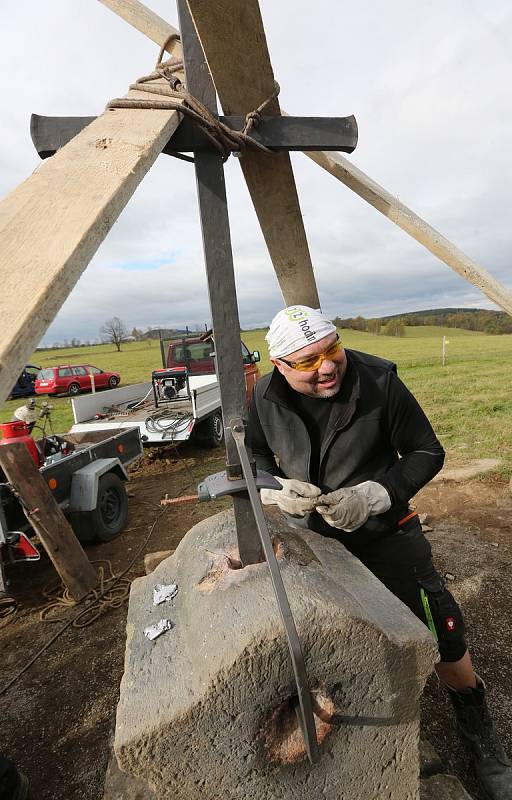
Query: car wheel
(113, 381)
(108, 519)
(73, 389)
(210, 432)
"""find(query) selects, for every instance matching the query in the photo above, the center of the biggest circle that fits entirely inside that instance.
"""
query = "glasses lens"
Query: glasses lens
(308, 364)
(313, 362)
(333, 349)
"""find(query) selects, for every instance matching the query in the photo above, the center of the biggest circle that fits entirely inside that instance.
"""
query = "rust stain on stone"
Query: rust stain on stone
(225, 568)
(283, 740)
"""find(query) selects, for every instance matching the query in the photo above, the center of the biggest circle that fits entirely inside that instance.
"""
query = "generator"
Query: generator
(169, 385)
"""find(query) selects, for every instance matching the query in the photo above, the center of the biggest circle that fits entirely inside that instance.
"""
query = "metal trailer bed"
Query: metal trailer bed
(116, 409)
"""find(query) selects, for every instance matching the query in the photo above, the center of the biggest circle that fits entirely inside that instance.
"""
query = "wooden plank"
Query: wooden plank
(374, 194)
(53, 223)
(49, 134)
(50, 524)
(269, 178)
(415, 226)
(233, 39)
(147, 22)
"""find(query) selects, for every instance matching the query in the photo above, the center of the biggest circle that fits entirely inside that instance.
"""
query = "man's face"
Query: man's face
(325, 380)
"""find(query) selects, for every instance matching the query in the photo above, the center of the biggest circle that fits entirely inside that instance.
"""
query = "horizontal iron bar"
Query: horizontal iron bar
(49, 134)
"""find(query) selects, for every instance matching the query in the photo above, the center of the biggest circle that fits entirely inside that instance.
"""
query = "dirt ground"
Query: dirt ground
(57, 719)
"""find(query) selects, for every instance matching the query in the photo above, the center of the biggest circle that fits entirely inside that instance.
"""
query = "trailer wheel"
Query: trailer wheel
(210, 432)
(108, 519)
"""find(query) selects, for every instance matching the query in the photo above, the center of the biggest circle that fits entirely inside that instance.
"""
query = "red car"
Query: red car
(72, 379)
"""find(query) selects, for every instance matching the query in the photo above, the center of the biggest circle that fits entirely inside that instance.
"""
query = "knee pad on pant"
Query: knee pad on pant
(441, 612)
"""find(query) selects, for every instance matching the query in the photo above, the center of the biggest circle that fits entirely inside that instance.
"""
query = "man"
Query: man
(351, 446)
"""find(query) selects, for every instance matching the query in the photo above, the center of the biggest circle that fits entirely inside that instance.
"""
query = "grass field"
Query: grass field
(469, 400)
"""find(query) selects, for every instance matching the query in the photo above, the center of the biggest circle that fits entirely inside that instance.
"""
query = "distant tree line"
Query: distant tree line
(115, 331)
(471, 319)
(390, 327)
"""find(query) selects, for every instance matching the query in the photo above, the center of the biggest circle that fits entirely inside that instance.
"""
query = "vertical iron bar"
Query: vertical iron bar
(218, 256)
(162, 351)
(305, 710)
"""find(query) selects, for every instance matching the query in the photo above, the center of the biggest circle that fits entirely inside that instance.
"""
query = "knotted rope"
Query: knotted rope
(224, 139)
(111, 592)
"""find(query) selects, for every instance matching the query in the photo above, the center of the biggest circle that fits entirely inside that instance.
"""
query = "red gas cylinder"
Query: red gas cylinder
(18, 432)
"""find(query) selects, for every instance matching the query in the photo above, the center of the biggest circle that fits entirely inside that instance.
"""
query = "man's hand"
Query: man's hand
(296, 497)
(348, 509)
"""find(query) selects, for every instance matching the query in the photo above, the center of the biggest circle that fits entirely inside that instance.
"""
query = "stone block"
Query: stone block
(206, 710)
(152, 560)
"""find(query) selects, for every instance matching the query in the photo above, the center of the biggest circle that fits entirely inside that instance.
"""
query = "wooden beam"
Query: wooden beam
(234, 43)
(53, 223)
(48, 521)
(414, 225)
(383, 201)
(269, 178)
(147, 22)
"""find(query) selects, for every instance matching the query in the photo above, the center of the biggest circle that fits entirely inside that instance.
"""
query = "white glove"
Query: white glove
(296, 497)
(348, 509)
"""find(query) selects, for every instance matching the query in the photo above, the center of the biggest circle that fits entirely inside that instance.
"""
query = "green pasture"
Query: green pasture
(469, 400)
(135, 363)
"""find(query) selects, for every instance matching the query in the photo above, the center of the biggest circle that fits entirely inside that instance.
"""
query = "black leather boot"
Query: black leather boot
(478, 735)
(13, 784)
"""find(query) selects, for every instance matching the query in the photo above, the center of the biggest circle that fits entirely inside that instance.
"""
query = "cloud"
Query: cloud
(429, 86)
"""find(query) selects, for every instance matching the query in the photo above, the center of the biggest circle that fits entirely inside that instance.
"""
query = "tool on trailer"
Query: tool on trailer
(168, 385)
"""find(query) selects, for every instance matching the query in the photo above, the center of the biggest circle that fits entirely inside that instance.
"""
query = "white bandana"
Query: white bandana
(296, 327)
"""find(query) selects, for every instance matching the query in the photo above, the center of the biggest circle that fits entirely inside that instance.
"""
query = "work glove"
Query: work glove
(296, 498)
(348, 509)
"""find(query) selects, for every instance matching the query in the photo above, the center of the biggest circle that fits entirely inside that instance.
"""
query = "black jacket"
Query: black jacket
(377, 431)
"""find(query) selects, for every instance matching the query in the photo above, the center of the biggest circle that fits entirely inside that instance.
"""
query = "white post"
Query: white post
(93, 384)
(443, 360)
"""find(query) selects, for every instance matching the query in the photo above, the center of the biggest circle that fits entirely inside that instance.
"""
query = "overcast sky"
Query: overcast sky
(429, 84)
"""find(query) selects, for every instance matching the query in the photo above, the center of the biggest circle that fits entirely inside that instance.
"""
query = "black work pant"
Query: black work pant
(9, 779)
(403, 562)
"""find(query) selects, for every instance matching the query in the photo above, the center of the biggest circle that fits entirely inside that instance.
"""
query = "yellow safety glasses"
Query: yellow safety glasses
(311, 363)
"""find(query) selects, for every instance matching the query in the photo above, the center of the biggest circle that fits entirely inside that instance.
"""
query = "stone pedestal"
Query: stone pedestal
(206, 710)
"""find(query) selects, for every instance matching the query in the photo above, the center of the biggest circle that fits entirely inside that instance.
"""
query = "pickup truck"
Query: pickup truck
(197, 354)
(86, 476)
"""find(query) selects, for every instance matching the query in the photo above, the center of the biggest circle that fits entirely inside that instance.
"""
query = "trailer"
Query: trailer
(169, 408)
(85, 474)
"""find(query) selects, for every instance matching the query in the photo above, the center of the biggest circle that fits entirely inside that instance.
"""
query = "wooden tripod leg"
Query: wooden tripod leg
(233, 39)
(48, 521)
(241, 49)
(346, 172)
(368, 189)
(51, 225)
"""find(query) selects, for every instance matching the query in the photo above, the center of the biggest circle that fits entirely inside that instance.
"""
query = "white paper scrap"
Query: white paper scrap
(156, 630)
(161, 592)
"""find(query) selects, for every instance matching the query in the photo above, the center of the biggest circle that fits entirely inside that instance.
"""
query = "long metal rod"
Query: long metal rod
(211, 192)
(306, 718)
